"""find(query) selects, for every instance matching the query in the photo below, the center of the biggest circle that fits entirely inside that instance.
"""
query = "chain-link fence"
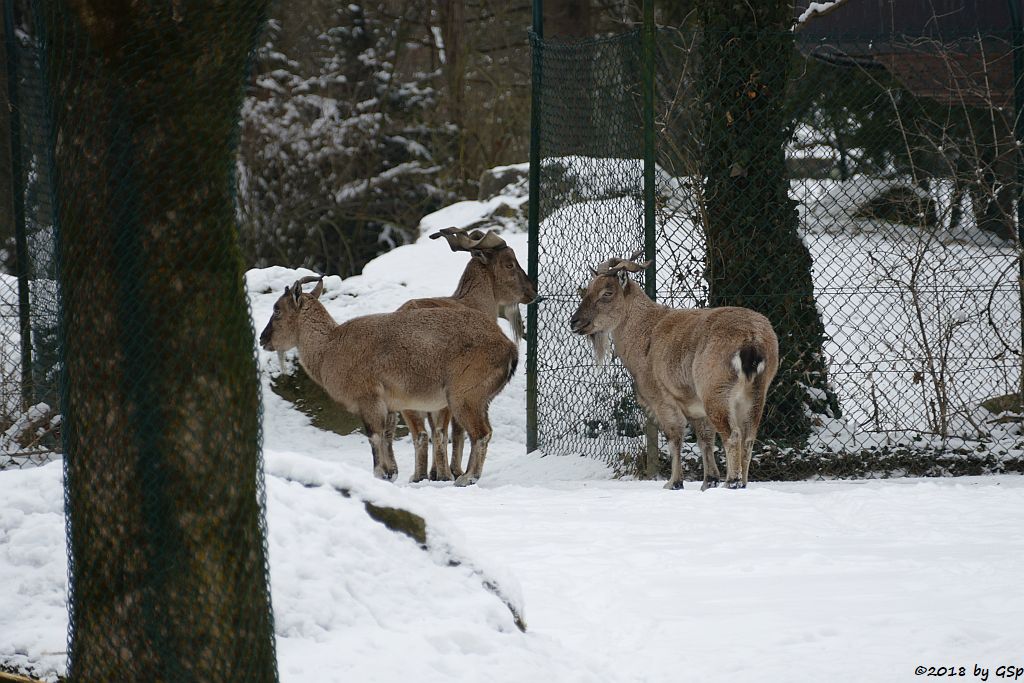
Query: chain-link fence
(862, 193)
(29, 368)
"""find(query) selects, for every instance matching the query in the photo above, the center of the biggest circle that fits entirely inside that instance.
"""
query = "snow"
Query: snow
(817, 8)
(618, 581)
(622, 581)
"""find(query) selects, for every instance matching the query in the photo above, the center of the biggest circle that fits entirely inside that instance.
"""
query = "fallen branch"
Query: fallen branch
(18, 678)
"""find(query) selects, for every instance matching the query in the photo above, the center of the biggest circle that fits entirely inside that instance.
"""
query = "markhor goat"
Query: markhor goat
(493, 283)
(710, 366)
(408, 360)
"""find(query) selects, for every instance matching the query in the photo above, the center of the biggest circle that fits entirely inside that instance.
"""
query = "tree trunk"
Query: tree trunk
(755, 256)
(568, 19)
(6, 171)
(161, 404)
(453, 32)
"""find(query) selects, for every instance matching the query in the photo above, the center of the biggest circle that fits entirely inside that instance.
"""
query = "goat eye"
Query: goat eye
(607, 294)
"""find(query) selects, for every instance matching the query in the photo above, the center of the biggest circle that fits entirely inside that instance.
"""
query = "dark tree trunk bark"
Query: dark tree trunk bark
(6, 172)
(568, 19)
(453, 32)
(755, 256)
(161, 402)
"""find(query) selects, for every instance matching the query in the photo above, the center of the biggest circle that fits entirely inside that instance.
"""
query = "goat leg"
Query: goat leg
(477, 455)
(705, 434)
(376, 422)
(414, 421)
(748, 450)
(734, 457)
(377, 449)
(458, 446)
(673, 423)
(439, 469)
(675, 481)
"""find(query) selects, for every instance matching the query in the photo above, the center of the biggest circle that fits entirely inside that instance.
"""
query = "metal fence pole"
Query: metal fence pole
(534, 224)
(18, 201)
(1018, 134)
(650, 277)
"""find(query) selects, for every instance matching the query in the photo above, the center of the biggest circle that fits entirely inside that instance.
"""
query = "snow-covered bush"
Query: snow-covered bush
(336, 162)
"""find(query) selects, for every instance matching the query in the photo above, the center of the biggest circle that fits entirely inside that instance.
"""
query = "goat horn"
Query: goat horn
(629, 266)
(305, 281)
(462, 239)
(607, 267)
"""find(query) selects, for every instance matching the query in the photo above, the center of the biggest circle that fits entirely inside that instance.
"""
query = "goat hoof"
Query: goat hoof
(674, 485)
(735, 484)
(447, 476)
(417, 478)
(709, 484)
(433, 474)
(465, 480)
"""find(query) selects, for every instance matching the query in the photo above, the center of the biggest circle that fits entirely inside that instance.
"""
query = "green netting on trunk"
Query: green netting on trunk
(128, 119)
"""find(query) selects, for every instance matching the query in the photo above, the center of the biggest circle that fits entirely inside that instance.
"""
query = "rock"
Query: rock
(402, 521)
(900, 204)
(494, 180)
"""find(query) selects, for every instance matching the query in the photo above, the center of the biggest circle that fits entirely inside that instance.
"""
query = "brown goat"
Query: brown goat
(378, 364)
(493, 283)
(710, 366)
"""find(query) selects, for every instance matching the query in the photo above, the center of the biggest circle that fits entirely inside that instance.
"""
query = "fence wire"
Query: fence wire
(29, 367)
(900, 178)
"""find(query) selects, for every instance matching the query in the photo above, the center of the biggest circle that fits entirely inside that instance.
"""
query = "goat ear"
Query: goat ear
(296, 293)
(480, 256)
(319, 289)
(582, 291)
(623, 277)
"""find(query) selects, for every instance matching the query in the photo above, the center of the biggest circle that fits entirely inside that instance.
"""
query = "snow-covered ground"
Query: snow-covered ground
(618, 581)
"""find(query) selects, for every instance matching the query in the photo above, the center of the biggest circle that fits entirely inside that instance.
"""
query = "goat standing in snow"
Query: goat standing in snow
(408, 360)
(710, 366)
(493, 283)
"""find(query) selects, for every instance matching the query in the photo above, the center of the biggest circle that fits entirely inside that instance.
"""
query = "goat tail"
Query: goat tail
(749, 361)
(513, 363)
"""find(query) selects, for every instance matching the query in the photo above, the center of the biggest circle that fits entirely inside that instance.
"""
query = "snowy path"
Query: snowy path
(843, 581)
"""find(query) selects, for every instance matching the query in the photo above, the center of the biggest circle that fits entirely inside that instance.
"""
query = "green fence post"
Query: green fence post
(650, 281)
(534, 224)
(1018, 134)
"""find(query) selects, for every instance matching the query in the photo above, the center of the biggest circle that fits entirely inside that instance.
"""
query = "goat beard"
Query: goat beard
(600, 341)
(515, 321)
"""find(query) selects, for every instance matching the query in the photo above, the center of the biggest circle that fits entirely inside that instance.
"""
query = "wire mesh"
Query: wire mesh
(29, 410)
(591, 145)
(895, 164)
